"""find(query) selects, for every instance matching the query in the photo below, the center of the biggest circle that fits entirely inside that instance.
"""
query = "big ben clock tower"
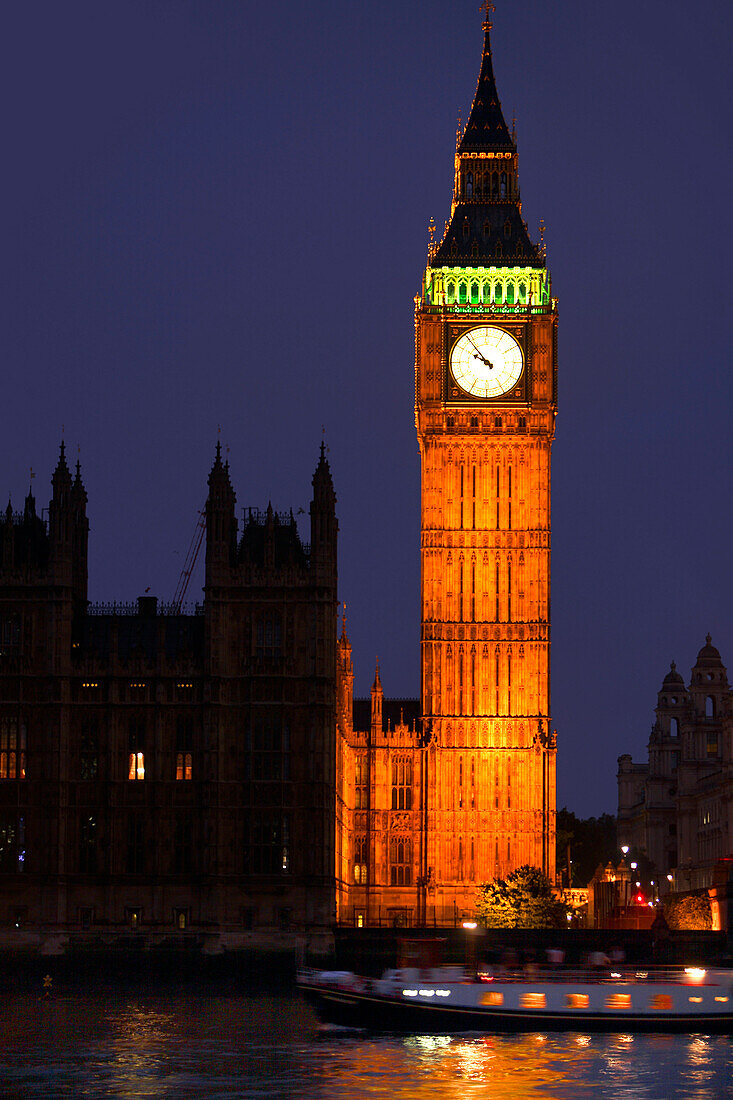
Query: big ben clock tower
(485, 379)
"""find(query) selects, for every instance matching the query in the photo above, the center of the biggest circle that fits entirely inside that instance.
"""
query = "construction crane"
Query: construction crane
(189, 563)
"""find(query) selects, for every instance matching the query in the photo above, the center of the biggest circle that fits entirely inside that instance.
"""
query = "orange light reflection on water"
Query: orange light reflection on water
(460, 1068)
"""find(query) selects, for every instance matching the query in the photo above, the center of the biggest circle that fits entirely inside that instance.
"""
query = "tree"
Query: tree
(592, 841)
(688, 912)
(524, 899)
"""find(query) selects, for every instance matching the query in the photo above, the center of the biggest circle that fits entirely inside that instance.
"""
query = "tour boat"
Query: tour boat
(448, 998)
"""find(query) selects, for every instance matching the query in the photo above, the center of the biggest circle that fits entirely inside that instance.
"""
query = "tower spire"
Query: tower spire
(486, 129)
(486, 228)
(489, 9)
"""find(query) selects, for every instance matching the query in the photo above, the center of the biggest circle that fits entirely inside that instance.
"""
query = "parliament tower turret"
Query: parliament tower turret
(485, 327)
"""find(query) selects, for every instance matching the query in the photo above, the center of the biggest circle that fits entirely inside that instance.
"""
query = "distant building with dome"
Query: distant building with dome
(678, 807)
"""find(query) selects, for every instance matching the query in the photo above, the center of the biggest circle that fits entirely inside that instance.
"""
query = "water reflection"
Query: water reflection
(267, 1047)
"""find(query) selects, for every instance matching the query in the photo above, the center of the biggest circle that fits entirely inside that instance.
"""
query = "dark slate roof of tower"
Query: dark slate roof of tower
(673, 677)
(505, 242)
(486, 226)
(486, 130)
(708, 655)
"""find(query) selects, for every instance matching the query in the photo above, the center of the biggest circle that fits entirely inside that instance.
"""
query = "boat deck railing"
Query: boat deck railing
(668, 975)
(674, 975)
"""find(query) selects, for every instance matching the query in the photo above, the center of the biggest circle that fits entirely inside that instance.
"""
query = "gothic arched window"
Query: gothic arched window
(402, 783)
(400, 858)
(360, 782)
(360, 860)
(269, 636)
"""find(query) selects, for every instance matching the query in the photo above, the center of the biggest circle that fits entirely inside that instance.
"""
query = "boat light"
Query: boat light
(695, 973)
(409, 993)
(696, 1000)
(427, 992)
(615, 974)
(442, 992)
(723, 1000)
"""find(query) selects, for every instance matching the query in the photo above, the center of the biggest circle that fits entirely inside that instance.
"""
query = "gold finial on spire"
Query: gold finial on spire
(431, 241)
(489, 8)
(459, 131)
(542, 236)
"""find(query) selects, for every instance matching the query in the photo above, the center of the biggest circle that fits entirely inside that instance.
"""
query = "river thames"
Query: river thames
(214, 1046)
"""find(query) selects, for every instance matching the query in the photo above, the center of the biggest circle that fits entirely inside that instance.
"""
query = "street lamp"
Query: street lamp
(625, 849)
(470, 926)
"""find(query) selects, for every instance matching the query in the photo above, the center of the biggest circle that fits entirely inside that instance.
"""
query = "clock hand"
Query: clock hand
(478, 355)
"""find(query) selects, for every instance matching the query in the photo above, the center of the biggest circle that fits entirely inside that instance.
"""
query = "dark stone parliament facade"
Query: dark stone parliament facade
(163, 772)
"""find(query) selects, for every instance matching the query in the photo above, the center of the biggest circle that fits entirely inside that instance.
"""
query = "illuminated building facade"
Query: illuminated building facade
(678, 806)
(486, 361)
(481, 757)
(165, 772)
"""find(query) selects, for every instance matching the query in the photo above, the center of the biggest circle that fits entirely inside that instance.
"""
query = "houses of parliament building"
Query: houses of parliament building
(211, 772)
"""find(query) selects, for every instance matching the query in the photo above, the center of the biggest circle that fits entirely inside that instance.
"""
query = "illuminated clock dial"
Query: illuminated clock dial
(486, 362)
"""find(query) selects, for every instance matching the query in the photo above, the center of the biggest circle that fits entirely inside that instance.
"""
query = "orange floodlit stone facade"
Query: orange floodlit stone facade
(482, 751)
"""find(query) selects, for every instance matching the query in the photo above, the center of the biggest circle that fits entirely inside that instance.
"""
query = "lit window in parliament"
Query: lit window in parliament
(360, 860)
(12, 749)
(136, 756)
(184, 747)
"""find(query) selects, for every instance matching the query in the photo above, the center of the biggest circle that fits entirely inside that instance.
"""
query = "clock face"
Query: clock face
(486, 362)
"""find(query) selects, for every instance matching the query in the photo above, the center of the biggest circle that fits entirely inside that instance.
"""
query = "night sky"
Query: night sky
(215, 216)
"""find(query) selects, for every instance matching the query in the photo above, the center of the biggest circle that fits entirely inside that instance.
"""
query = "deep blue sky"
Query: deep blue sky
(215, 214)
